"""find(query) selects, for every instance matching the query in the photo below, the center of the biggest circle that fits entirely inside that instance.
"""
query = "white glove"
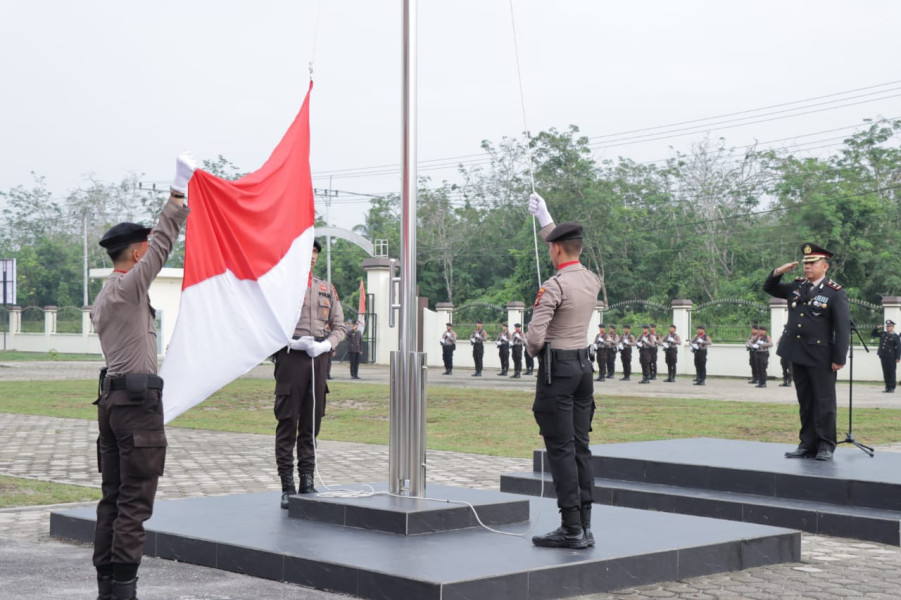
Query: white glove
(316, 348)
(301, 343)
(185, 165)
(538, 209)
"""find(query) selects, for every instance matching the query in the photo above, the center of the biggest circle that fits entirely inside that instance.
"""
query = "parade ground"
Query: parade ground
(208, 463)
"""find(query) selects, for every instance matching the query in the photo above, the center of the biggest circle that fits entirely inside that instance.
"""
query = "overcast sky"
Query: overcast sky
(108, 88)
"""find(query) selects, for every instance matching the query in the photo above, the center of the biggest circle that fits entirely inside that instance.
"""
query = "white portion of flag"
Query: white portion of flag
(227, 326)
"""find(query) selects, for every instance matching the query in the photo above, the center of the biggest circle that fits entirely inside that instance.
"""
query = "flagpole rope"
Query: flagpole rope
(525, 124)
(315, 38)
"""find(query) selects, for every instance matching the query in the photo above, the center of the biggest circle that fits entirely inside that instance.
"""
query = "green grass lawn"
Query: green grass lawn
(496, 423)
(15, 491)
(15, 355)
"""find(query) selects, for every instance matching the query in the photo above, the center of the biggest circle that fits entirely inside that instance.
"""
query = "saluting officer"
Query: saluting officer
(564, 401)
(478, 339)
(131, 446)
(816, 341)
(889, 353)
(625, 345)
(671, 344)
(297, 367)
(516, 344)
(600, 348)
(762, 355)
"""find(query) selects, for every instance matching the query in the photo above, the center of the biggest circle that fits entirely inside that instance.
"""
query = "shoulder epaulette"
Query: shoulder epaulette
(833, 285)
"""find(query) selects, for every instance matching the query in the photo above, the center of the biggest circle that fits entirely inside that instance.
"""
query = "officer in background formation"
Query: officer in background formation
(761, 355)
(889, 354)
(529, 359)
(503, 349)
(670, 343)
(646, 343)
(816, 340)
(600, 348)
(654, 350)
(478, 339)
(516, 344)
(355, 349)
(564, 400)
(131, 446)
(448, 343)
(755, 332)
(699, 344)
(300, 381)
(626, 342)
(612, 345)
(786, 369)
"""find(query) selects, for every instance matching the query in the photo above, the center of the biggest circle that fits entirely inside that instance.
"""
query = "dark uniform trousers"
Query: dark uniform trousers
(530, 362)
(816, 402)
(478, 352)
(354, 358)
(654, 362)
(504, 353)
(752, 362)
(626, 356)
(761, 362)
(517, 358)
(447, 353)
(786, 370)
(611, 362)
(644, 359)
(701, 364)
(564, 410)
(602, 362)
(294, 374)
(131, 454)
(889, 371)
(671, 355)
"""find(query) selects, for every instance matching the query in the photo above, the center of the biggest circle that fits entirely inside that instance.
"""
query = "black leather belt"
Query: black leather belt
(118, 383)
(569, 354)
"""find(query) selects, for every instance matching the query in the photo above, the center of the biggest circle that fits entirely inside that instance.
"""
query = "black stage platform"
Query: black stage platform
(249, 533)
(854, 495)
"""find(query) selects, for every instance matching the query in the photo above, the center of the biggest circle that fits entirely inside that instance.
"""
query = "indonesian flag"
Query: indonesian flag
(361, 313)
(248, 248)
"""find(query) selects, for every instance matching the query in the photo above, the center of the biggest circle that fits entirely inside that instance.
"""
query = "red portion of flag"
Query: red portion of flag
(361, 313)
(247, 226)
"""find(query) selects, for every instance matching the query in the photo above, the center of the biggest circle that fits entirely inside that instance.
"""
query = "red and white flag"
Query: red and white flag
(361, 312)
(248, 247)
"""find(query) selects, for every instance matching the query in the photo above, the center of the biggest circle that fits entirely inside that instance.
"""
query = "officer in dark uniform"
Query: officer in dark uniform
(645, 342)
(527, 358)
(516, 345)
(626, 342)
(671, 343)
(612, 344)
(699, 344)
(131, 446)
(478, 339)
(755, 333)
(654, 351)
(355, 349)
(503, 349)
(762, 355)
(600, 348)
(889, 353)
(448, 345)
(564, 400)
(299, 404)
(816, 341)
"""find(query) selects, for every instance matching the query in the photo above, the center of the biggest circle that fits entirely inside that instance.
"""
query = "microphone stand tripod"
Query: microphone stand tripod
(849, 437)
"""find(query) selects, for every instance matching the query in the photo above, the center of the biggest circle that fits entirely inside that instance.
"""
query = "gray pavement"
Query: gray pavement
(33, 566)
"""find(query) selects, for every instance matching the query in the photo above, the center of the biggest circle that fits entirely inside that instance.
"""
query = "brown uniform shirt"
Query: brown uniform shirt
(121, 314)
(321, 315)
(563, 308)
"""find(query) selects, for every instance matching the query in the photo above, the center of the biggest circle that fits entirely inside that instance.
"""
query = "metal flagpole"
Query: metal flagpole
(406, 452)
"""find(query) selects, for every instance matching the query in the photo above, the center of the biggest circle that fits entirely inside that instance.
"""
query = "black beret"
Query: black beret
(645, 326)
(813, 253)
(517, 324)
(700, 327)
(653, 324)
(450, 324)
(762, 328)
(754, 326)
(317, 245)
(124, 234)
(565, 231)
(627, 327)
(601, 325)
(479, 321)
(673, 325)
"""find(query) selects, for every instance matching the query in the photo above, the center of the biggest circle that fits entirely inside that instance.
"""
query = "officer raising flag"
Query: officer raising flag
(564, 400)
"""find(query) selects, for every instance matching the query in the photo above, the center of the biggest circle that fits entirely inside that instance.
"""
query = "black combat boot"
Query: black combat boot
(515, 375)
(288, 489)
(569, 535)
(125, 590)
(306, 483)
(644, 380)
(585, 516)
(104, 587)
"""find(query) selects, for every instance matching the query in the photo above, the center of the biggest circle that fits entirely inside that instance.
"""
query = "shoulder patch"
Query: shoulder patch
(833, 285)
(538, 297)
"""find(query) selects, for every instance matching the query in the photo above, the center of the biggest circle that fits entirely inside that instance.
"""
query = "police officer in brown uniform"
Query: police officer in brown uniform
(516, 344)
(131, 447)
(564, 400)
(503, 349)
(300, 382)
(612, 343)
(699, 344)
(670, 345)
(600, 349)
(478, 339)
(626, 343)
(816, 340)
(355, 349)
(646, 343)
(448, 343)
(762, 355)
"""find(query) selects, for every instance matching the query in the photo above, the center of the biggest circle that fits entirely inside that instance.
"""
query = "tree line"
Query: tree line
(705, 224)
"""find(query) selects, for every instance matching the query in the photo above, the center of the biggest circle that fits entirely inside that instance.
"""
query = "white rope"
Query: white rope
(315, 38)
(525, 125)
